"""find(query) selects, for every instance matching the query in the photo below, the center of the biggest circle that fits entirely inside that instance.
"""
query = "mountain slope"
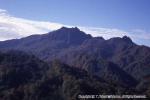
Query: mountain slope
(48, 44)
(127, 62)
(25, 77)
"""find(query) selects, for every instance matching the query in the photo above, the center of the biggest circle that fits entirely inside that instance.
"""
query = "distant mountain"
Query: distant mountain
(48, 45)
(132, 58)
(118, 60)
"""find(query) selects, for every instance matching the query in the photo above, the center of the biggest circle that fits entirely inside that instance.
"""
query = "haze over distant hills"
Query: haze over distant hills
(117, 61)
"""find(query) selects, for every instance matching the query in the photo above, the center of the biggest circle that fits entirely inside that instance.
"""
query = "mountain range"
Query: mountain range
(70, 56)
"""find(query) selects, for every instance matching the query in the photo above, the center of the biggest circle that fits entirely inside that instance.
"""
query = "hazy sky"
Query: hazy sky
(131, 17)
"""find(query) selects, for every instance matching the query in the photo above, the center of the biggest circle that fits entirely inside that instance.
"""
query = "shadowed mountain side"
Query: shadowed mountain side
(127, 62)
(99, 67)
(25, 77)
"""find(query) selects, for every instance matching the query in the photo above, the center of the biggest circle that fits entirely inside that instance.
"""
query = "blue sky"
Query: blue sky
(128, 15)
